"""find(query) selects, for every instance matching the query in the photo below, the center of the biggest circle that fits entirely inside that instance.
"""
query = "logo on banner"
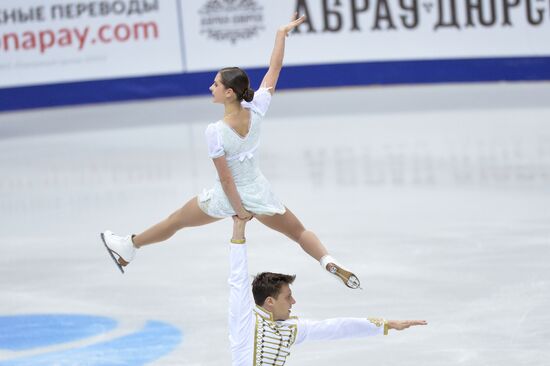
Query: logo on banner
(231, 20)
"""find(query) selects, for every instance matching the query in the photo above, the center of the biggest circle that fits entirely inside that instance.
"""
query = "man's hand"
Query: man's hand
(404, 324)
(245, 215)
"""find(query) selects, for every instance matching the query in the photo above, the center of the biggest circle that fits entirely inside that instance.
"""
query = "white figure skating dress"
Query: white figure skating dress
(242, 155)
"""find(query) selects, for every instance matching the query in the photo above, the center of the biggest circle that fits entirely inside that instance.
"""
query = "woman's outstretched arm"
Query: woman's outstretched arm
(277, 56)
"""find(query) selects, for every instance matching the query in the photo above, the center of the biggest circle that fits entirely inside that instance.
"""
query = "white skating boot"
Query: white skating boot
(350, 280)
(120, 248)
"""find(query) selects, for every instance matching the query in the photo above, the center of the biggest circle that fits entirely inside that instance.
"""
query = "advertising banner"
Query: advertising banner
(241, 32)
(58, 41)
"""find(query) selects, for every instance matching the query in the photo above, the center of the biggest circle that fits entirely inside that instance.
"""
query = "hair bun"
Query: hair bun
(248, 95)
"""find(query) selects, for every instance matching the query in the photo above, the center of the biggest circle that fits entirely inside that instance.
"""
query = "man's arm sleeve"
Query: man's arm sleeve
(240, 297)
(340, 328)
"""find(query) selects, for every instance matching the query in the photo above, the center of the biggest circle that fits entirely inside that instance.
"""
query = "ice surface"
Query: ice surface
(436, 196)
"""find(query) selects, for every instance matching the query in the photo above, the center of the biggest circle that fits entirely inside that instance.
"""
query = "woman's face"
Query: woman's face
(218, 90)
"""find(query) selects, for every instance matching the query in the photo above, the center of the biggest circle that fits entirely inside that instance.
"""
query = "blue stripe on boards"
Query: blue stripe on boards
(328, 75)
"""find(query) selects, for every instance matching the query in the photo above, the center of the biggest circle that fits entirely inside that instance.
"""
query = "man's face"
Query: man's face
(280, 306)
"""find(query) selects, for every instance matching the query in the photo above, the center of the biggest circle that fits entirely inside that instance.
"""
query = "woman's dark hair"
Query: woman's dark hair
(267, 284)
(236, 79)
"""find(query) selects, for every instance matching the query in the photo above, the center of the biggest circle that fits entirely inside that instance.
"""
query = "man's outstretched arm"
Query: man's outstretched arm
(342, 328)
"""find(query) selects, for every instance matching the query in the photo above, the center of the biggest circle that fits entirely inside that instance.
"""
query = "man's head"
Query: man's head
(272, 292)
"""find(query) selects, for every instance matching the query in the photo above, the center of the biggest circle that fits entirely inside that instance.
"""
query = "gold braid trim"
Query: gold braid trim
(379, 322)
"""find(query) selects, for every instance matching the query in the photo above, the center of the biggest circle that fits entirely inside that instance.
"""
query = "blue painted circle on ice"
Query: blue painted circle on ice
(153, 341)
(23, 332)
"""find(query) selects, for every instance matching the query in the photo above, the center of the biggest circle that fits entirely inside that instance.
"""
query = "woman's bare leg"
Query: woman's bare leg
(187, 216)
(289, 225)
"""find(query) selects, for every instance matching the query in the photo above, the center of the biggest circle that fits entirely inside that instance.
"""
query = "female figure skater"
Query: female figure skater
(241, 189)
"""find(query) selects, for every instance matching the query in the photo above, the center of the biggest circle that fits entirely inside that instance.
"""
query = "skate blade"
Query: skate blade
(112, 254)
(349, 279)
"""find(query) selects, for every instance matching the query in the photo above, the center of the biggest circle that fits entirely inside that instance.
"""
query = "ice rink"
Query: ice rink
(437, 197)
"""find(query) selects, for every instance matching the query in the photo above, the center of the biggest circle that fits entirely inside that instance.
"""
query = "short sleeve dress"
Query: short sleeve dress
(242, 155)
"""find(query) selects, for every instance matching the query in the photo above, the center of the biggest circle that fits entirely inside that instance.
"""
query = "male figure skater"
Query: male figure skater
(263, 333)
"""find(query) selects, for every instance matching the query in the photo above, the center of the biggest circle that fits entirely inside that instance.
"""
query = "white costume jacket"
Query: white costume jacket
(257, 339)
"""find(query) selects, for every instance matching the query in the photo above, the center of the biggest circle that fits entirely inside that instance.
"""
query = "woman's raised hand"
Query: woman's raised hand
(294, 22)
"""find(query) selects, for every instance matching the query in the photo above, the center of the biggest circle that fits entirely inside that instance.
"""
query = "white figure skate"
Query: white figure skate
(120, 248)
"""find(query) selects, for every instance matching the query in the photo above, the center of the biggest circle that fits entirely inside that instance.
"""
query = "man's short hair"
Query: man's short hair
(267, 284)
